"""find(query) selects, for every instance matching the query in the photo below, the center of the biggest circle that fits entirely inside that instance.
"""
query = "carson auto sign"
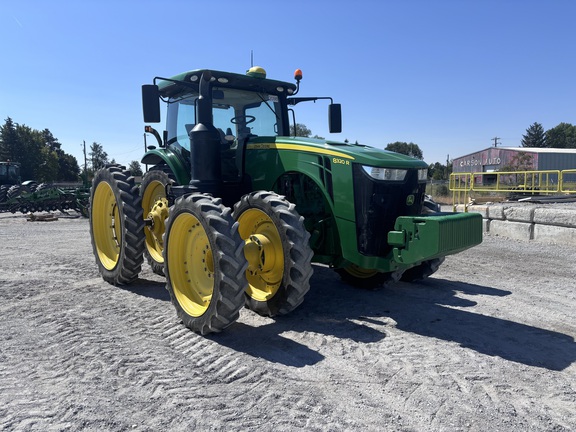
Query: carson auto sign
(475, 162)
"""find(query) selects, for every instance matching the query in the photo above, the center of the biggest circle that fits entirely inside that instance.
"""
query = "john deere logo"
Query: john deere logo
(409, 200)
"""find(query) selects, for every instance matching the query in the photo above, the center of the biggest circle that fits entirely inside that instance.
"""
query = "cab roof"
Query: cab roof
(191, 79)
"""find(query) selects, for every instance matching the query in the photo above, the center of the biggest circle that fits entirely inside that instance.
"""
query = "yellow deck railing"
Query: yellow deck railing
(521, 182)
(568, 181)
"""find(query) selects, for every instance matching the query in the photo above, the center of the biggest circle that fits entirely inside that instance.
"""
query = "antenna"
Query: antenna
(251, 58)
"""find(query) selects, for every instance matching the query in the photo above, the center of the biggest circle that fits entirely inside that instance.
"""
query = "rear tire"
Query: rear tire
(155, 206)
(3, 193)
(277, 250)
(204, 265)
(116, 225)
(16, 191)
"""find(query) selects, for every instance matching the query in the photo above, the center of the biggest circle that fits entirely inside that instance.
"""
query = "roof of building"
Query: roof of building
(527, 150)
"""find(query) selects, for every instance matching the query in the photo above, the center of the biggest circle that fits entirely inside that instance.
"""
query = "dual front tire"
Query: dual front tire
(277, 251)
(217, 261)
(204, 266)
(155, 207)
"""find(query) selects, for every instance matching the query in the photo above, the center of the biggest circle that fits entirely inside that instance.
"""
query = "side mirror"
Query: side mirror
(335, 118)
(151, 103)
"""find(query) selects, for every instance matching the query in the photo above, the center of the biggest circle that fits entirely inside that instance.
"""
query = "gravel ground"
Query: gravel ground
(486, 344)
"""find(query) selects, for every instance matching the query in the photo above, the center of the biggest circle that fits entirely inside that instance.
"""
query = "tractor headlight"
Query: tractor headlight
(423, 174)
(389, 174)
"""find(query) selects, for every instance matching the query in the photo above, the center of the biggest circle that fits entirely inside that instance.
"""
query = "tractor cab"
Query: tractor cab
(9, 173)
(236, 115)
(211, 116)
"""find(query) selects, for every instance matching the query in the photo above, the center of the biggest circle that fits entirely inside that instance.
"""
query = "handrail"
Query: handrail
(568, 186)
(526, 182)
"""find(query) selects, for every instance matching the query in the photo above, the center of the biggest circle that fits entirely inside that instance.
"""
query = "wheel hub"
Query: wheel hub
(260, 254)
(157, 217)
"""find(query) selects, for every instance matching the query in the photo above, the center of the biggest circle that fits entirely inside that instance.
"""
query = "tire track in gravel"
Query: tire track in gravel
(110, 338)
(78, 353)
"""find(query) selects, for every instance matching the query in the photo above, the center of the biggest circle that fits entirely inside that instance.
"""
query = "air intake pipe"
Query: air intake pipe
(205, 165)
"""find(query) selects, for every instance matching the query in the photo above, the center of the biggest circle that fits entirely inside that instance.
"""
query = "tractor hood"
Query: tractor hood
(357, 153)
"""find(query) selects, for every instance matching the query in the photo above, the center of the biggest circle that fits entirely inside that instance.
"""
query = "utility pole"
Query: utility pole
(496, 141)
(85, 166)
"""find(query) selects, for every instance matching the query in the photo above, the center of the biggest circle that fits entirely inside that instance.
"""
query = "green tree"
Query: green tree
(135, 168)
(67, 165)
(535, 136)
(98, 157)
(409, 149)
(39, 153)
(300, 130)
(437, 171)
(68, 168)
(521, 161)
(561, 136)
(29, 153)
(8, 141)
(48, 169)
(51, 141)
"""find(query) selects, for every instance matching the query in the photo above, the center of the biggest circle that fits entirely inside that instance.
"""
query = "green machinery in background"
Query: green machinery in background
(29, 196)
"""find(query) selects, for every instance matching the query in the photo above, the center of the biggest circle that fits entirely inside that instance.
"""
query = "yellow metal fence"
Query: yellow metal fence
(516, 182)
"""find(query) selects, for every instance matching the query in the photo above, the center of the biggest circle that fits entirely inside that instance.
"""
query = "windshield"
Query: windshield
(9, 172)
(237, 114)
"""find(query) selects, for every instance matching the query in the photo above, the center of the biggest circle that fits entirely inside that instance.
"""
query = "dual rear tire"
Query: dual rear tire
(116, 225)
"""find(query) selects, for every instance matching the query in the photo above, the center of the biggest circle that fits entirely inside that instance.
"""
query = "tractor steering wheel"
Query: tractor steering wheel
(246, 119)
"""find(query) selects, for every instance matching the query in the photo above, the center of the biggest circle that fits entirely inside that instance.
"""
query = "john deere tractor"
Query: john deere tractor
(234, 210)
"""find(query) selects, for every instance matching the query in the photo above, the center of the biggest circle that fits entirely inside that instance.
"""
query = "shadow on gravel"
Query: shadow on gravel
(148, 288)
(266, 342)
(430, 308)
(326, 311)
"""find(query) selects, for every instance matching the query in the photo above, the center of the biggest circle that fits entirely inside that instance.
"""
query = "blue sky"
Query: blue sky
(447, 75)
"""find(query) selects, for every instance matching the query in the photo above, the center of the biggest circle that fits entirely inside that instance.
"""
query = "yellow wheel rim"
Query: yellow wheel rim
(190, 264)
(264, 253)
(359, 272)
(155, 206)
(106, 226)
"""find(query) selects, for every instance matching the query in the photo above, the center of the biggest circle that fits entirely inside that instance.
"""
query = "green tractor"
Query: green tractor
(9, 176)
(11, 186)
(234, 210)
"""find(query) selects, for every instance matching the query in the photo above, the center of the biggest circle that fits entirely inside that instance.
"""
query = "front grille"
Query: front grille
(378, 204)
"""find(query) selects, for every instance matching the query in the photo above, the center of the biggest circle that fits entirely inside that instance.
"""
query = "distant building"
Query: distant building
(496, 158)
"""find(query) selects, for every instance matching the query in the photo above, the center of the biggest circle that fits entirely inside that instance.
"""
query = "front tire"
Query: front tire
(423, 270)
(204, 264)
(367, 278)
(427, 268)
(116, 225)
(277, 250)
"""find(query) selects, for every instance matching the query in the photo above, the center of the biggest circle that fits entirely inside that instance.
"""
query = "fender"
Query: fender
(174, 161)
